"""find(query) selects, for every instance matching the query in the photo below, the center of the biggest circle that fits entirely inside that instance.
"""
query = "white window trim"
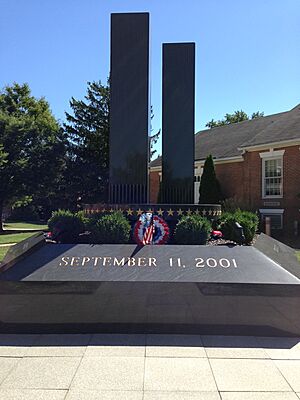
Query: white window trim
(271, 210)
(270, 155)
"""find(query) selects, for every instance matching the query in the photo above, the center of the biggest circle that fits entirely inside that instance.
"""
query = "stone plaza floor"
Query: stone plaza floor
(148, 367)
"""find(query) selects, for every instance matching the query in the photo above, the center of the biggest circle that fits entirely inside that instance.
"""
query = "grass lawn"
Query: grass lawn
(24, 225)
(3, 251)
(15, 237)
(298, 255)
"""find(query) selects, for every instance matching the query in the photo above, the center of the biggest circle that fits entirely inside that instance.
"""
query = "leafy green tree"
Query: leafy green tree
(210, 191)
(237, 116)
(88, 132)
(153, 138)
(32, 146)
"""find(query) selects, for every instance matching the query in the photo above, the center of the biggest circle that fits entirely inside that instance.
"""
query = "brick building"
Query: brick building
(257, 163)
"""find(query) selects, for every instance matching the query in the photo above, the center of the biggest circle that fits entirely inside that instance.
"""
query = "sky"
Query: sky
(247, 51)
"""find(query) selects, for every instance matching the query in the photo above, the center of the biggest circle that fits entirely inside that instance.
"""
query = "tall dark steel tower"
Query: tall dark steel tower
(129, 108)
(178, 109)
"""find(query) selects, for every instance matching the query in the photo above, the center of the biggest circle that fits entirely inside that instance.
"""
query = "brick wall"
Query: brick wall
(291, 187)
(154, 186)
(231, 177)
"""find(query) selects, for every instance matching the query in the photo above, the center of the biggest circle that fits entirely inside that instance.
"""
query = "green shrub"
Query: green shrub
(66, 226)
(81, 214)
(233, 204)
(110, 228)
(192, 229)
(248, 220)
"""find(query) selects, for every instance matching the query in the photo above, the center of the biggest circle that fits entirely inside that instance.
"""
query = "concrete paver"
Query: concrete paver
(281, 348)
(32, 394)
(258, 396)
(6, 366)
(174, 346)
(232, 347)
(110, 373)
(104, 395)
(64, 345)
(148, 367)
(16, 345)
(247, 375)
(178, 374)
(290, 369)
(42, 373)
(116, 345)
(181, 396)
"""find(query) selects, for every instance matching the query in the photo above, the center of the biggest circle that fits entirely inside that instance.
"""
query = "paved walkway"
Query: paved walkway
(152, 367)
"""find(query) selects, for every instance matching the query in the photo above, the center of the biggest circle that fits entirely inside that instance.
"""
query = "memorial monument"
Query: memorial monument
(130, 121)
(127, 288)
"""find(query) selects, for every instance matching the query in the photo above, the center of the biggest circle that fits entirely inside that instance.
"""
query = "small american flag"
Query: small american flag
(148, 235)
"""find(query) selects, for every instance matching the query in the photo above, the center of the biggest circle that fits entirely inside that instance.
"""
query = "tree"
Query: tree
(237, 116)
(153, 138)
(210, 191)
(88, 133)
(32, 146)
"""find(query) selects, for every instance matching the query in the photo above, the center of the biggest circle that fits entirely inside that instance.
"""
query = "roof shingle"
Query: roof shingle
(227, 140)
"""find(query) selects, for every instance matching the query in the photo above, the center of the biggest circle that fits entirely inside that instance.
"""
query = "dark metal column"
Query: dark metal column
(129, 108)
(178, 111)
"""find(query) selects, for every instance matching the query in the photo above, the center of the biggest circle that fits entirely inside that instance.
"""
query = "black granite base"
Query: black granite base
(200, 293)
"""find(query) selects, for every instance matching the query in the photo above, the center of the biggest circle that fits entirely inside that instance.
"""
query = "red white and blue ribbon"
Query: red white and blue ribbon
(151, 229)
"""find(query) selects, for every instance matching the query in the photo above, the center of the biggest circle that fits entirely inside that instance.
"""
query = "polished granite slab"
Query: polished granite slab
(131, 263)
(123, 288)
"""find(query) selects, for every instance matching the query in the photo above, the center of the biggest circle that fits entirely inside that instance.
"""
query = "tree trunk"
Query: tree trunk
(1, 211)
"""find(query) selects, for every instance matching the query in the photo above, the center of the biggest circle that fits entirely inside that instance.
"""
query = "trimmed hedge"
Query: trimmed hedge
(66, 226)
(192, 229)
(110, 228)
(248, 220)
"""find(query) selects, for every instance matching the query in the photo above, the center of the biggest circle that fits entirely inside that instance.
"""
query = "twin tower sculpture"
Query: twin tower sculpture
(130, 115)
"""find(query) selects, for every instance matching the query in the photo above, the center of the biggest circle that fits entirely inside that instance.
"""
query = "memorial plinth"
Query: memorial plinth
(124, 288)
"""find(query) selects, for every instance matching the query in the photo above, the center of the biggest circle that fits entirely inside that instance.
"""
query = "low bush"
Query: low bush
(65, 226)
(248, 220)
(192, 229)
(233, 204)
(110, 228)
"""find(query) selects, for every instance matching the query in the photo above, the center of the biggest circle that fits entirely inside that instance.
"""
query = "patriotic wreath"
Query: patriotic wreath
(151, 229)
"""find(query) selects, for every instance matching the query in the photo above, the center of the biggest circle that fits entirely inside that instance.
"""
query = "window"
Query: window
(197, 179)
(196, 189)
(275, 216)
(272, 176)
